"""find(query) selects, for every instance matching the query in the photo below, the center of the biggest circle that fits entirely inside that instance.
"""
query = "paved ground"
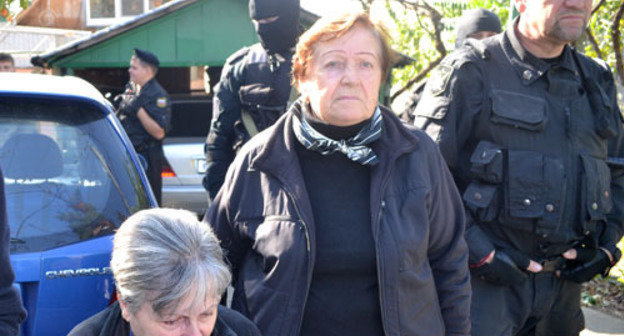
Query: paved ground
(601, 324)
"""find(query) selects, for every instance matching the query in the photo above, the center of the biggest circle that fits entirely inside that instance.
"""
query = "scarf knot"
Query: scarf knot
(355, 148)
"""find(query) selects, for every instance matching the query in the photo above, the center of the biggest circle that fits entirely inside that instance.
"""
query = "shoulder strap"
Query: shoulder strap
(248, 122)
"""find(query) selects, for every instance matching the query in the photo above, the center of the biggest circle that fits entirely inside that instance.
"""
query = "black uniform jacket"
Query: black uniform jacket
(109, 322)
(264, 220)
(251, 81)
(527, 141)
(155, 100)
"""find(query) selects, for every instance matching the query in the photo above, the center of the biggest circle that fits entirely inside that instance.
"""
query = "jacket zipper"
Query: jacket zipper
(382, 207)
(379, 280)
(307, 235)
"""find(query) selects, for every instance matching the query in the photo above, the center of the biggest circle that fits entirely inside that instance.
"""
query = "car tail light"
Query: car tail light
(166, 170)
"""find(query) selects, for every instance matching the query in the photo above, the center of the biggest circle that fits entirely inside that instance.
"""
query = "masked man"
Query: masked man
(254, 89)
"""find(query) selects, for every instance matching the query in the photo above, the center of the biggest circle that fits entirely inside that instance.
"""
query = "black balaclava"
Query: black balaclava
(475, 21)
(280, 35)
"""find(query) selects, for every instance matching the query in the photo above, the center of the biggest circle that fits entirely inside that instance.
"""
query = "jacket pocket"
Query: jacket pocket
(254, 94)
(257, 101)
(595, 192)
(482, 200)
(486, 162)
(518, 110)
(535, 189)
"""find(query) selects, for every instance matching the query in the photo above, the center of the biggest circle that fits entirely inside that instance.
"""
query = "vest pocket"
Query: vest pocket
(535, 189)
(486, 162)
(518, 110)
(596, 200)
(482, 200)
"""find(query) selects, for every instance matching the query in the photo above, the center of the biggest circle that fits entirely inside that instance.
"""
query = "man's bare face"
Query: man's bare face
(7, 66)
(558, 20)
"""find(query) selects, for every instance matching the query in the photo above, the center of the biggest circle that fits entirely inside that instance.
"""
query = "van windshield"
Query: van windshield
(68, 176)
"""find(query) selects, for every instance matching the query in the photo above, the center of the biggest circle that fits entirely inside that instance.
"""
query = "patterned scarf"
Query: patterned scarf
(354, 148)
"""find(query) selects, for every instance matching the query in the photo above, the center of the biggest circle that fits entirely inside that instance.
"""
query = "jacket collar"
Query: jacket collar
(529, 67)
(277, 155)
(221, 328)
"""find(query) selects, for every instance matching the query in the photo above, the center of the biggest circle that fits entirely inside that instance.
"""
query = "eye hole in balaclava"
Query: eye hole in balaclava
(276, 23)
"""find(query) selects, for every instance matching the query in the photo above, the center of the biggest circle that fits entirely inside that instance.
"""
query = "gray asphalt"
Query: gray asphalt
(600, 324)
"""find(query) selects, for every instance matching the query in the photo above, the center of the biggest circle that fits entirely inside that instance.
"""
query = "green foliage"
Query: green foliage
(5, 8)
(600, 26)
(415, 31)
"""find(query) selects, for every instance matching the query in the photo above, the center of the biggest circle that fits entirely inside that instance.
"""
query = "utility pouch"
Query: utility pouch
(596, 200)
(256, 102)
(486, 162)
(534, 191)
(482, 200)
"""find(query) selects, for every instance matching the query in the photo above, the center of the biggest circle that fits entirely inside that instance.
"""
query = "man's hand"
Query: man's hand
(506, 267)
(585, 263)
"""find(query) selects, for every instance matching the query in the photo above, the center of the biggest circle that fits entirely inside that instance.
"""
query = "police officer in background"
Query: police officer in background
(145, 113)
(7, 63)
(533, 135)
(477, 24)
(254, 89)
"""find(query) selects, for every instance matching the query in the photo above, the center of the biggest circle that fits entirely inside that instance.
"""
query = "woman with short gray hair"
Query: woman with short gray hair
(170, 276)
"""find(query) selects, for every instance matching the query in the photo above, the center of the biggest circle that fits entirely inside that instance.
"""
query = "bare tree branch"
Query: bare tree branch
(597, 7)
(417, 78)
(617, 46)
(422, 6)
(594, 43)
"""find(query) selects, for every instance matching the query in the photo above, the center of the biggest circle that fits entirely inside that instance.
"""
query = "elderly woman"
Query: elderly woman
(339, 219)
(170, 275)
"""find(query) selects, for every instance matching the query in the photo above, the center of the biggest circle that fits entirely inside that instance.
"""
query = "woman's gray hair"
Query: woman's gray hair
(166, 256)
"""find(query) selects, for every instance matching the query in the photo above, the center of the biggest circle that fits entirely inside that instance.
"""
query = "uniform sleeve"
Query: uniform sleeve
(12, 312)
(446, 113)
(614, 229)
(158, 105)
(226, 109)
(448, 253)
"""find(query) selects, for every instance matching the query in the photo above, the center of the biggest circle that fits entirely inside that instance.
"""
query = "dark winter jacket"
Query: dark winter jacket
(12, 312)
(109, 322)
(263, 217)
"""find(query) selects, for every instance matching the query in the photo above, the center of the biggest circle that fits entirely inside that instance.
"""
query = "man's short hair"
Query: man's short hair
(147, 58)
(4, 57)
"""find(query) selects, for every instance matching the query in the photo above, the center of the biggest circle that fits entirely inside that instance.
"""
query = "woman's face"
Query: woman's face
(344, 77)
(184, 321)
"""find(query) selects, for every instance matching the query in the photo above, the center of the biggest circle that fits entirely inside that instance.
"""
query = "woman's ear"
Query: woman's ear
(125, 312)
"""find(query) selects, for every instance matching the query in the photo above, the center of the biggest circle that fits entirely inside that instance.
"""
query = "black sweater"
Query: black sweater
(344, 295)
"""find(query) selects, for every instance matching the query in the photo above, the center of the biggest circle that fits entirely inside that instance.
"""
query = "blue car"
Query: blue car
(71, 178)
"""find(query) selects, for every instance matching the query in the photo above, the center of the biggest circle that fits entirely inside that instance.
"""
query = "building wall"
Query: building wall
(66, 14)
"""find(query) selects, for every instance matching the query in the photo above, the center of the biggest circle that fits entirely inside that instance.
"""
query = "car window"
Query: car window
(191, 117)
(67, 174)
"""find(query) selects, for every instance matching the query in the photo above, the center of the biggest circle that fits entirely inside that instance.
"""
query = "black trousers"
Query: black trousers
(542, 305)
(154, 156)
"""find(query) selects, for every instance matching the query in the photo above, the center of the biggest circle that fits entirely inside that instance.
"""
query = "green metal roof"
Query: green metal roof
(182, 33)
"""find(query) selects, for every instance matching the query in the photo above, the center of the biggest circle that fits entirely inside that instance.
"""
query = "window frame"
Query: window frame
(119, 18)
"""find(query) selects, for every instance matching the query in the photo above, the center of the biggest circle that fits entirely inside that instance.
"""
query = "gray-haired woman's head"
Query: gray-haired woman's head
(163, 257)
